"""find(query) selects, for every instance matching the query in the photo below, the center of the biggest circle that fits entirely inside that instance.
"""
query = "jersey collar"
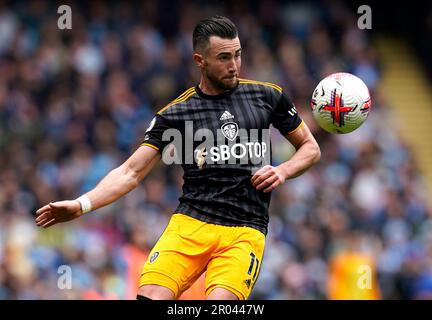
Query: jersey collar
(217, 96)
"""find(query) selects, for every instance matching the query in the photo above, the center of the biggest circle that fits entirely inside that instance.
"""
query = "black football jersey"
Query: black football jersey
(221, 141)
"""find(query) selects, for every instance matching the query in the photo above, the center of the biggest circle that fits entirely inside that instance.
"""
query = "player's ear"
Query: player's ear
(199, 60)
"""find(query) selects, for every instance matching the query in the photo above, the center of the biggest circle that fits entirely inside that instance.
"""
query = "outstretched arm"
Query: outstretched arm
(114, 185)
(307, 154)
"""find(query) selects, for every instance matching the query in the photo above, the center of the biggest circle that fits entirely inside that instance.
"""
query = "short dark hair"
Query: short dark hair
(213, 26)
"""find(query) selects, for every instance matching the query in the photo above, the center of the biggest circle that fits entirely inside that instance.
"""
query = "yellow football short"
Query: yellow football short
(231, 256)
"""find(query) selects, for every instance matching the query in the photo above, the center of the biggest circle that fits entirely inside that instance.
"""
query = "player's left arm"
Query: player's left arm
(307, 154)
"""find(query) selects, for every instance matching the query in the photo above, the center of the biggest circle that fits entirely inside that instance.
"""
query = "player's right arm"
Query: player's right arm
(114, 185)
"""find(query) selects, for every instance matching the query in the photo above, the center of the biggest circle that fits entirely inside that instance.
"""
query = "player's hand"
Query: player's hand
(56, 212)
(268, 178)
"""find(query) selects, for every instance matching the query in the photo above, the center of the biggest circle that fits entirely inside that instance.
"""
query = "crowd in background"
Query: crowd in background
(75, 103)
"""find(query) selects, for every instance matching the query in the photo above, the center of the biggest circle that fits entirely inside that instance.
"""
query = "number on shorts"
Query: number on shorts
(252, 262)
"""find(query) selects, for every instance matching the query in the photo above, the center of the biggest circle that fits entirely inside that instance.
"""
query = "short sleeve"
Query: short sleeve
(153, 136)
(284, 116)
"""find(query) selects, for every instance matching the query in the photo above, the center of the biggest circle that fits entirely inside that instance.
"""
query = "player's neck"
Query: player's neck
(207, 88)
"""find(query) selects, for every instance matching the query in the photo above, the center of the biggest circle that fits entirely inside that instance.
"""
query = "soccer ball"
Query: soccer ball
(340, 103)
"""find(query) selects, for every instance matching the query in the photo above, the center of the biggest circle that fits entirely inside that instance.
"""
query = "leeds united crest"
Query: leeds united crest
(230, 130)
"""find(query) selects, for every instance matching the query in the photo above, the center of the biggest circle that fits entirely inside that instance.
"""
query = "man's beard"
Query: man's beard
(220, 84)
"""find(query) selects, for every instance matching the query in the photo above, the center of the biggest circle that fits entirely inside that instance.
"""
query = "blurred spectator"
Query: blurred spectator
(352, 270)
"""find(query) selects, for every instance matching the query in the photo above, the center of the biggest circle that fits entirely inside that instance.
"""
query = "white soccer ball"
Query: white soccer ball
(340, 103)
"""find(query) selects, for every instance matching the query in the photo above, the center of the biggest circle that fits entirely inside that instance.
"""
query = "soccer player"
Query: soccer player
(221, 221)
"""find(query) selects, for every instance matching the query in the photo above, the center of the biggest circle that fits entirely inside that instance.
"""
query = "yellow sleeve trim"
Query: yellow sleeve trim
(299, 126)
(150, 145)
(267, 84)
(183, 97)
